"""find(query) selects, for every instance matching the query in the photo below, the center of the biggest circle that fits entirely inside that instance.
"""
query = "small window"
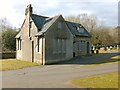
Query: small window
(30, 24)
(63, 45)
(38, 45)
(55, 45)
(19, 44)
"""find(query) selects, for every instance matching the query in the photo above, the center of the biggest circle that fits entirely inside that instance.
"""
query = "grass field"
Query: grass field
(101, 81)
(13, 64)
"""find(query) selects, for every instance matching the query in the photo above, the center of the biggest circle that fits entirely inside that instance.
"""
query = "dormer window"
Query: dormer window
(81, 30)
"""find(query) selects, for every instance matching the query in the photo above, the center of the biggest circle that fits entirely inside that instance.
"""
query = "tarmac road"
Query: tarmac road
(58, 75)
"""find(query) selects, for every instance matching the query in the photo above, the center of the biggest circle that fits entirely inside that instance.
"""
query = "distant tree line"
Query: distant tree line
(101, 33)
(7, 35)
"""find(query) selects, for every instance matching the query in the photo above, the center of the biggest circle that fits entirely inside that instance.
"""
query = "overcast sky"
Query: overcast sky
(105, 10)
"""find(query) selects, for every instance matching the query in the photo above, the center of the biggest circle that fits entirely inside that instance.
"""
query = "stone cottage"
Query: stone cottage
(48, 40)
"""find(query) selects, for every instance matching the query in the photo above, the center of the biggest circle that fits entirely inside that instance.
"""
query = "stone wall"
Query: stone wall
(7, 55)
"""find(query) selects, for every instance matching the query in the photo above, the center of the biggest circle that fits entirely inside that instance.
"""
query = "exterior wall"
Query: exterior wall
(77, 47)
(61, 33)
(38, 56)
(25, 52)
(28, 37)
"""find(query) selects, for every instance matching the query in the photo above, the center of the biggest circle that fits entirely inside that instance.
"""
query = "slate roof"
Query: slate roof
(43, 23)
(73, 28)
(38, 20)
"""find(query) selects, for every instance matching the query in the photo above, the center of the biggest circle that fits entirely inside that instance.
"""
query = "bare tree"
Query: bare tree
(101, 34)
(71, 18)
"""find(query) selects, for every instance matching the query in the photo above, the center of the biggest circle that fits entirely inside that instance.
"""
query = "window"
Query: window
(55, 44)
(81, 30)
(59, 45)
(19, 44)
(59, 25)
(80, 45)
(38, 45)
(63, 45)
(30, 26)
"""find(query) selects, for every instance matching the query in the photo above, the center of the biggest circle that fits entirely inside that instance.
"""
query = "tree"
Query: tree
(101, 34)
(71, 18)
(8, 36)
(8, 39)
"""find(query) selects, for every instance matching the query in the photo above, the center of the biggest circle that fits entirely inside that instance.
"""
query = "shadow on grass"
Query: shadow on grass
(93, 59)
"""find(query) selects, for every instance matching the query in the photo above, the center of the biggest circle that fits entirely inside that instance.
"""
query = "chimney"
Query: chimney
(29, 9)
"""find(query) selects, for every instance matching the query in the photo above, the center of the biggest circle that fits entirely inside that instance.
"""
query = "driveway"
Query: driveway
(58, 75)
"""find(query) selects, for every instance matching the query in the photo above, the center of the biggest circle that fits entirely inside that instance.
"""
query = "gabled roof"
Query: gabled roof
(43, 23)
(47, 24)
(38, 20)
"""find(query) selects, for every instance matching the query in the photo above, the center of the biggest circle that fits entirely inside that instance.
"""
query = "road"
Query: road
(58, 75)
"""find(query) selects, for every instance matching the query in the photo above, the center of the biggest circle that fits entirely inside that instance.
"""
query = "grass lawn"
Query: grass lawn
(101, 81)
(13, 64)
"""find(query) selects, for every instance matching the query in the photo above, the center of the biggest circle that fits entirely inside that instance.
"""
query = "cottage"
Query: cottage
(48, 40)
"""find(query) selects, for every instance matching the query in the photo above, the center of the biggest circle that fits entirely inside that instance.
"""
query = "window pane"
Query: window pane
(55, 45)
(20, 44)
(64, 45)
(38, 44)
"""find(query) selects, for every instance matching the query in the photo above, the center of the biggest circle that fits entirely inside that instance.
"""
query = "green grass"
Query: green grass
(101, 81)
(13, 64)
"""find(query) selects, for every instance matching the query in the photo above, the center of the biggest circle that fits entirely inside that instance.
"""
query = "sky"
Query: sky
(105, 10)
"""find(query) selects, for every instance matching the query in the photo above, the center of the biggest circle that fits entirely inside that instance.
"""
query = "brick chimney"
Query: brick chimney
(28, 10)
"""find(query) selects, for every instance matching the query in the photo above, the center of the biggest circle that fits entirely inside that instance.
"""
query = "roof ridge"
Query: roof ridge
(40, 15)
